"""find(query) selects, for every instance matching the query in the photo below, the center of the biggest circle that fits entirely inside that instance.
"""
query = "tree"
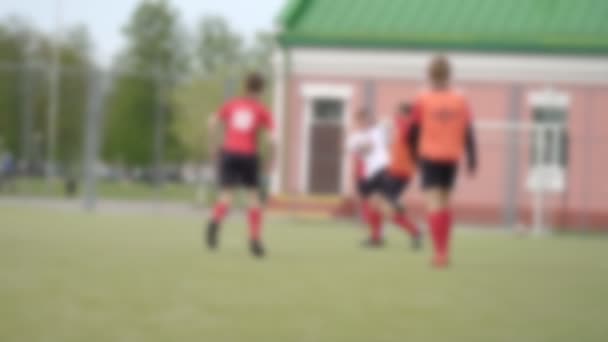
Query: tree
(218, 46)
(12, 32)
(259, 55)
(24, 53)
(74, 55)
(195, 101)
(147, 71)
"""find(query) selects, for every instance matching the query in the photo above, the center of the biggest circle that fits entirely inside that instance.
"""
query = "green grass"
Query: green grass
(102, 277)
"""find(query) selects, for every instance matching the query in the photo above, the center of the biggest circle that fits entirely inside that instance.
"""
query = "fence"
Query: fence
(136, 136)
(117, 134)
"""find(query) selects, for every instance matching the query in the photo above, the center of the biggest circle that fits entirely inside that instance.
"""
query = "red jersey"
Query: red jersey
(243, 118)
(444, 117)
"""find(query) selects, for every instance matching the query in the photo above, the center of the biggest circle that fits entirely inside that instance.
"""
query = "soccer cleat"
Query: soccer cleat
(211, 237)
(441, 261)
(372, 243)
(257, 248)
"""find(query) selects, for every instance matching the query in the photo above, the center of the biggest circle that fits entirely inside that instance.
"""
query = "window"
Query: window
(327, 111)
(551, 127)
(549, 141)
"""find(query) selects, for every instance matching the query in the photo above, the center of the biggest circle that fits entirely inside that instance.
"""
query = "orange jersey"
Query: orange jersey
(402, 164)
(444, 117)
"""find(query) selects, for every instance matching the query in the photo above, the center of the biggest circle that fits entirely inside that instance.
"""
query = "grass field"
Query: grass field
(109, 277)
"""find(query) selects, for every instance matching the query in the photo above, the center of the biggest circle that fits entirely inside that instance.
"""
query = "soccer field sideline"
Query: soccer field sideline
(182, 209)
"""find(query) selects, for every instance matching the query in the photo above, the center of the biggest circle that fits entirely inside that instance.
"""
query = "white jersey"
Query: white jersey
(374, 138)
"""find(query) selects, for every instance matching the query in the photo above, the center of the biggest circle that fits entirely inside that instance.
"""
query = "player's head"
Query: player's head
(363, 118)
(254, 84)
(404, 110)
(439, 71)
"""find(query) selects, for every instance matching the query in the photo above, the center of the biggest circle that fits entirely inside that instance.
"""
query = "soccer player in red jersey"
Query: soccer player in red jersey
(242, 120)
(442, 132)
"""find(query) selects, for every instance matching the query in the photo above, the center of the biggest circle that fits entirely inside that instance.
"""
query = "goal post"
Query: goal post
(540, 156)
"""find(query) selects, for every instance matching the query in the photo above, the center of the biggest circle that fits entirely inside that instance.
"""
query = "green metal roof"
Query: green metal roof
(560, 26)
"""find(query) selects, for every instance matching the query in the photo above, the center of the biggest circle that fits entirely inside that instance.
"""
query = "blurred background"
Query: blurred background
(103, 112)
(122, 89)
(111, 100)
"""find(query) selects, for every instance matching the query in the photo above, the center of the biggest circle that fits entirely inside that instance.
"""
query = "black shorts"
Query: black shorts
(438, 174)
(393, 187)
(390, 187)
(239, 170)
(372, 185)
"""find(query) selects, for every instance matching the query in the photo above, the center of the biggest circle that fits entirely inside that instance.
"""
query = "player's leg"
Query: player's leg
(218, 213)
(394, 188)
(228, 179)
(367, 212)
(438, 180)
(374, 217)
(251, 179)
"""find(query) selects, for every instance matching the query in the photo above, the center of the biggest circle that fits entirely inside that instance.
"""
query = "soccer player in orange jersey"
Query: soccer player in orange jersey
(442, 132)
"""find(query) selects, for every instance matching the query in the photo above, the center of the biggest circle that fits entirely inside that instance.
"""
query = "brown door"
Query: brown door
(326, 146)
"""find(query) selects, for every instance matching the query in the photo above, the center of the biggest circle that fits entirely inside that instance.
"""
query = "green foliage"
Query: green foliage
(218, 46)
(130, 125)
(195, 101)
(20, 43)
(11, 47)
(149, 72)
(73, 95)
(153, 61)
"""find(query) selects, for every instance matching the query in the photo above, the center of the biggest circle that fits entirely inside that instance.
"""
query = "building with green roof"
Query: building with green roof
(524, 64)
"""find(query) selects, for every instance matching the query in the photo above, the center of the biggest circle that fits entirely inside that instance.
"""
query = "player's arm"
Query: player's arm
(412, 137)
(471, 148)
(470, 143)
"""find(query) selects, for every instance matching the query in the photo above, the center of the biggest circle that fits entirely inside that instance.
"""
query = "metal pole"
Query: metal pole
(587, 165)
(53, 104)
(512, 166)
(159, 130)
(539, 193)
(27, 100)
(92, 128)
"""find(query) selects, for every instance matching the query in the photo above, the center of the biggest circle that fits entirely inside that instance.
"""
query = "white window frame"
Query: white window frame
(548, 177)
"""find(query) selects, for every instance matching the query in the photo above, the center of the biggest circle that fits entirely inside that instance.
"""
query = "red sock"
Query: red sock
(255, 223)
(440, 224)
(371, 219)
(376, 225)
(366, 212)
(219, 212)
(406, 224)
(445, 231)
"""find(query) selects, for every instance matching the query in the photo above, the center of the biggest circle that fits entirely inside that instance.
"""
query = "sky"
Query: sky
(105, 18)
